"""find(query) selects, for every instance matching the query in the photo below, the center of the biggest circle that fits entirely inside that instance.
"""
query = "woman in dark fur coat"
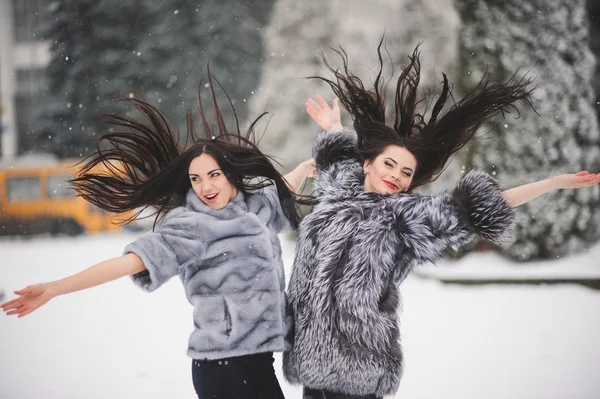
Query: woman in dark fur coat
(368, 231)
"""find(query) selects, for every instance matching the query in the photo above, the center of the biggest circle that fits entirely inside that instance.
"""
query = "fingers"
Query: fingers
(21, 312)
(20, 307)
(24, 291)
(336, 104)
(14, 304)
(25, 312)
(313, 114)
(28, 301)
(322, 102)
(313, 105)
(587, 179)
(582, 173)
(15, 311)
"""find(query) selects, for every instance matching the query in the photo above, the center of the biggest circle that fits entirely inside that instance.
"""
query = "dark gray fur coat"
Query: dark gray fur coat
(353, 251)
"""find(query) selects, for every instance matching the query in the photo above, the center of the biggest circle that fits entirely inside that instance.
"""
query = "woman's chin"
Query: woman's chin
(217, 206)
(386, 190)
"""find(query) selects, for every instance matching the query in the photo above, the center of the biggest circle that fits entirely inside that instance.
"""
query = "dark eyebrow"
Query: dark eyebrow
(209, 173)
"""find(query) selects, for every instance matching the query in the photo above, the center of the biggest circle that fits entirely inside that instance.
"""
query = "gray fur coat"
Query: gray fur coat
(353, 251)
(229, 262)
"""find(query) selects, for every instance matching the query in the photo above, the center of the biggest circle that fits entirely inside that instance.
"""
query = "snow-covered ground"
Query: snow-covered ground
(492, 266)
(115, 341)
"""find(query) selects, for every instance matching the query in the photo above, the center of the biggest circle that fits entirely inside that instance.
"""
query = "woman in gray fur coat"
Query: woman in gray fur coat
(368, 231)
(225, 203)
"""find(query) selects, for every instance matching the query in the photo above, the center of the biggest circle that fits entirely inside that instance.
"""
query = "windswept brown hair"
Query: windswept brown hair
(431, 141)
(144, 165)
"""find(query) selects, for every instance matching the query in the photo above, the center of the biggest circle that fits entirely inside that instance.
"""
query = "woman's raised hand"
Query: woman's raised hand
(30, 298)
(310, 167)
(327, 117)
(576, 180)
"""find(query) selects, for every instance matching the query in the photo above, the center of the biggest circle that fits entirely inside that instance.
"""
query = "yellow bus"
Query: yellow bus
(38, 199)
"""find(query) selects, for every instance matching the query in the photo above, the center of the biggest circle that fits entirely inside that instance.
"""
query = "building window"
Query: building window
(29, 15)
(59, 187)
(23, 189)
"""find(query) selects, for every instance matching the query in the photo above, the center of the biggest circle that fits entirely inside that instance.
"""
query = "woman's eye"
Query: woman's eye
(407, 174)
(389, 165)
(215, 174)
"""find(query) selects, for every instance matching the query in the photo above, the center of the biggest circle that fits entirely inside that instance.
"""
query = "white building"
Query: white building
(23, 58)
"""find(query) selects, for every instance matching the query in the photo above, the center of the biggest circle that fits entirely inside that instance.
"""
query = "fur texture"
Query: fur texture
(353, 251)
(229, 261)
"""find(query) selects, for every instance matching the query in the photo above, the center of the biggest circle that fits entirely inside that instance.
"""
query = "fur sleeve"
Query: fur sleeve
(338, 165)
(163, 251)
(334, 146)
(480, 197)
(430, 225)
(272, 213)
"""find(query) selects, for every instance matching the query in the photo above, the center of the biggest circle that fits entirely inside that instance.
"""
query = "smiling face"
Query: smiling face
(391, 171)
(209, 182)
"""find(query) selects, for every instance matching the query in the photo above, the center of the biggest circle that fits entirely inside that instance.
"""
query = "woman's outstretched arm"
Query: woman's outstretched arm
(429, 225)
(527, 192)
(33, 296)
(295, 179)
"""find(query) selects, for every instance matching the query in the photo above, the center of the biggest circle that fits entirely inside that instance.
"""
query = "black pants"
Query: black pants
(247, 377)
(322, 394)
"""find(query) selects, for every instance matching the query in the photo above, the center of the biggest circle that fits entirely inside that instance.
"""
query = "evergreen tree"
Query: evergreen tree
(103, 50)
(549, 41)
(92, 55)
(593, 9)
(186, 36)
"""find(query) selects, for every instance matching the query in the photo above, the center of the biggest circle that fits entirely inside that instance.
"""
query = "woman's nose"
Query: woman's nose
(207, 186)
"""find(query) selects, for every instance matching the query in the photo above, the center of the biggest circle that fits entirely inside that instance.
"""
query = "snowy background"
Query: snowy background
(115, 341)
(482, 341)
(262, 52)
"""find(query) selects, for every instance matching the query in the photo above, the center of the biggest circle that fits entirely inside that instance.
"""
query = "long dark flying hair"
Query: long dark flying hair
(434, 141)
(144, 165)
